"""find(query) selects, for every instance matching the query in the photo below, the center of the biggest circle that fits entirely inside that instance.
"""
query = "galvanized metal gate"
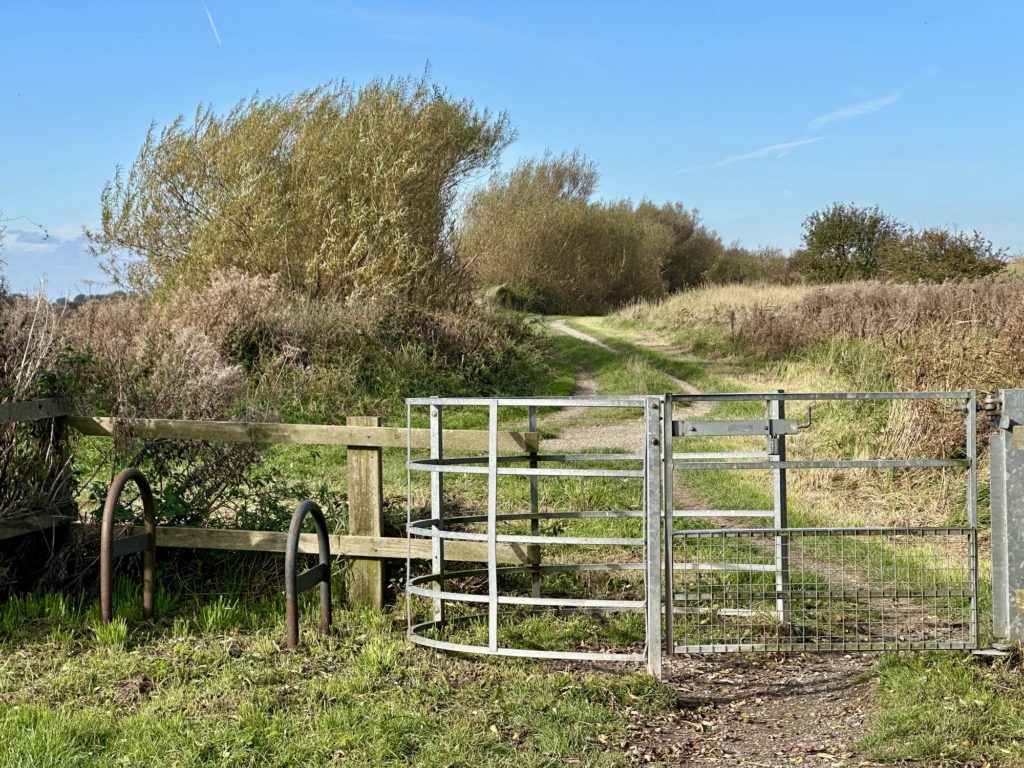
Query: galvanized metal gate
(732, 587)
(701, 579)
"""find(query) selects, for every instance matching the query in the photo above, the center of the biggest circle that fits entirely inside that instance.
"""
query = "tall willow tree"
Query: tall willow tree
(343, 193)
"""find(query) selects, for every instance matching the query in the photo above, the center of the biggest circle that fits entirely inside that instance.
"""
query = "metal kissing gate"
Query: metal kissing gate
(602, 552)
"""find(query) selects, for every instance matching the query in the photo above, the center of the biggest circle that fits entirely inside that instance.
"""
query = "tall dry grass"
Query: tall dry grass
(35, 471)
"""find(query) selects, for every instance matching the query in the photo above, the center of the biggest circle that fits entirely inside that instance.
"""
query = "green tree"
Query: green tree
(845, 242)
(534, 232)
(343, 193)
(934, 255)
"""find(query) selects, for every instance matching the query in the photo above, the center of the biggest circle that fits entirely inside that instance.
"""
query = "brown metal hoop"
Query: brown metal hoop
(128, 545)
(296, 583)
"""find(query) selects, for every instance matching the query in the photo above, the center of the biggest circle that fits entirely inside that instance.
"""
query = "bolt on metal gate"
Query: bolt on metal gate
(728, 586)
(780, 587)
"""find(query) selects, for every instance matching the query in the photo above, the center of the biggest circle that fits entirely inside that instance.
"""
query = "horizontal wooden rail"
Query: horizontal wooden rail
(303, 434)
(377, 547)
(32, 410)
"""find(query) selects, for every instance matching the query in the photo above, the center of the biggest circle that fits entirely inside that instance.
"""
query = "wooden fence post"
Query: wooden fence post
(365, 516)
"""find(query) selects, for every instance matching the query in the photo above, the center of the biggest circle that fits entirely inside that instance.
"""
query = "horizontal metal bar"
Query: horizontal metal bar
(712, 513)
(543, 472)
(741, 594)
(312, 577)
(464, 468)
(890, 645)
(734, 427)
(586, 401)
(580, 540)
(457, 597)
(747, 567)
(722, 455)
(861, 531)
(705, 610)
(825, 464)
(758, 396)
(416, 637)
(569, 602)
(506, 570)
(129, 545)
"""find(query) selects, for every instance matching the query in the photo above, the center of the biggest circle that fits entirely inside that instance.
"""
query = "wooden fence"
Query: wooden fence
(365, 440)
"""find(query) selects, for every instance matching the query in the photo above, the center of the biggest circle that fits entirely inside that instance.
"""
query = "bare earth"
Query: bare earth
(761, 710)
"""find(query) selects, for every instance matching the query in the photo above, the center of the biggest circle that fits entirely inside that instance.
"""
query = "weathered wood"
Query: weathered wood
(345, 546)
(365, 516)
(19, 526)
(32, 410)
(301, 434)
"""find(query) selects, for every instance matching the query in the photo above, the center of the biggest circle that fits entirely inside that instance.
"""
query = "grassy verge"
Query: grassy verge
(210, 685)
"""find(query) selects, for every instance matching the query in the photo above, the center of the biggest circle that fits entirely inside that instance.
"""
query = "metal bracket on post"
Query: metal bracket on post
(296, 583)
(111, 548)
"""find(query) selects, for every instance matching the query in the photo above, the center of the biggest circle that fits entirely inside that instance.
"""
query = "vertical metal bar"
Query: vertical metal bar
(408, 517)
(492, 527)
(777, 449)
(972, 507)
(668, 481)
(653, 512)
(533, 551)
(437, 504)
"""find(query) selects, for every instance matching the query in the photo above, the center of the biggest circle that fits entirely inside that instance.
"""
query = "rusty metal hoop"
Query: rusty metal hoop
(128, 545)
(296, 583)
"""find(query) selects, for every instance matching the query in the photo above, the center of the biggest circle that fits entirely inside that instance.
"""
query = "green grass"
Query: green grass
(947, 708)
(212, 686)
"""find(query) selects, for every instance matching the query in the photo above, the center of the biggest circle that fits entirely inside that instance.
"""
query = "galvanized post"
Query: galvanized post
(1007, 499)
(971, 426)
(668, 481)
(653, 513)
(492, 527)
(533, 550)
(437, 504)
(777, 452)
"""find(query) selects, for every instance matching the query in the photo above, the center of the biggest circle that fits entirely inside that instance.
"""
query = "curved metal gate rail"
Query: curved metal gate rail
(783, 588)
(482, 592)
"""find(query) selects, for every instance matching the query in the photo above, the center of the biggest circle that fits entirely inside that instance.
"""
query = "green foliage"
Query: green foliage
(343, 193)
(736, 264)
(934, 255)
(845, 242)
(536, 231)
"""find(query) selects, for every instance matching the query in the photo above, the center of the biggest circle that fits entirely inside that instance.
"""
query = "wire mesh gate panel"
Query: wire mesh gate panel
(731, 587)
(572, 540)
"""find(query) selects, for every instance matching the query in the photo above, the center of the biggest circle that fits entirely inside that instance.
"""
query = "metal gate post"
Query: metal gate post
(654, 448)
(668, 504)
(777, 452)
(1007, 499)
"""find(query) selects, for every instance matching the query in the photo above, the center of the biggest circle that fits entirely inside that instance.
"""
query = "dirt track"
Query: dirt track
(761, 710)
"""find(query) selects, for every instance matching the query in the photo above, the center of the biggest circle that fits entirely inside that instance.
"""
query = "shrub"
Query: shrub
(536, 231)
(845, 242)
(934, 255)
(343, 193)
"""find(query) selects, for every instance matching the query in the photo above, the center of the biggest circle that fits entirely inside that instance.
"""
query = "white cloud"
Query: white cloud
(860, 109)
(771, 151)
(213, 26)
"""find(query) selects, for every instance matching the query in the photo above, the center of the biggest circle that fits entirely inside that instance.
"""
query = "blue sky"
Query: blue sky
(755, 113)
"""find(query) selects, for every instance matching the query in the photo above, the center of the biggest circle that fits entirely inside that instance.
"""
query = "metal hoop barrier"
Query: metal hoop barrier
(296, 583)
(111, 548)
(463, 596)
